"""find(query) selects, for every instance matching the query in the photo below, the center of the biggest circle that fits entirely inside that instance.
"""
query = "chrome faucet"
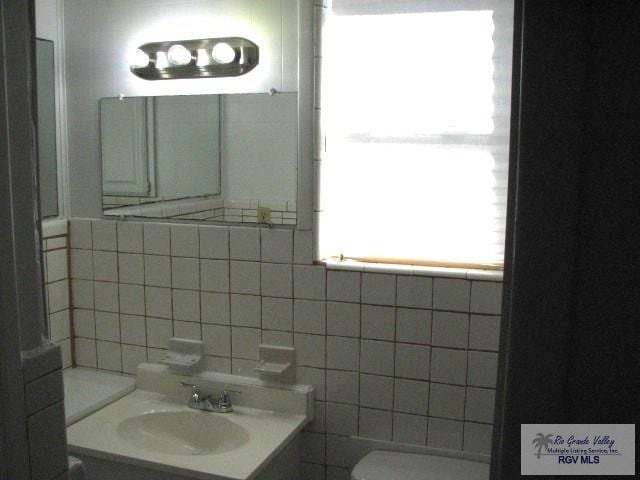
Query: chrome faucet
(208, 403)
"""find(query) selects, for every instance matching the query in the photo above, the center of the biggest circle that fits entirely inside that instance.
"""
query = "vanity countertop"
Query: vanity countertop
(87, 390)
(174, 446)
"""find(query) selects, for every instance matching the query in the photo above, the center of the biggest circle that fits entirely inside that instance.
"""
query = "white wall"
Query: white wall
(47, 19)
(100, 35)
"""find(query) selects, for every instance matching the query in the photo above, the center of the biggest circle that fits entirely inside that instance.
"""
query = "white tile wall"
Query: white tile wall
(392, 356)
(343, 353)
(448, 366)
(446, 401)
(215, 308)
(186, 305)
(376, 424)
(277, 246)
(185, 273)
(484, 332)
(343, 286)
(377, 357)
(57, 273)
(309, 282)
(342, 386)
(214, 242)
(309, 316)
(376, 392)
(129, 237)
(378, 289)
(157, 238)
(244, 244)
(302, 247)
(443, 433)
(343, 319)
(245, 277)
(450, 329)
(277, 313)
(451, 294)
(214, 275)
(486, 297)
(184, 241)
(413, 325)
(131, 268)
(245, 310)
(412, 361)
(409, 428)
(378, 322)
(342, 419)
(415, 291)
(411, 396)
(276, 280)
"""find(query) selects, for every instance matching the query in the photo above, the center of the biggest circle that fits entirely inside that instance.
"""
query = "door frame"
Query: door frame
(22, 316)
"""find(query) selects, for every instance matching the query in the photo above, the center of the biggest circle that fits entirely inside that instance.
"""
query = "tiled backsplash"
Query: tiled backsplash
(403, 358)
(55, 249)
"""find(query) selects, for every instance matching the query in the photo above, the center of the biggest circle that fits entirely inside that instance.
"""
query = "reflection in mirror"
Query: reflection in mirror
(46, 112)
(217, 158)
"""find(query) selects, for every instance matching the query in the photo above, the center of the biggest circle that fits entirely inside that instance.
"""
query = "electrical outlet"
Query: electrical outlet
(264, 215)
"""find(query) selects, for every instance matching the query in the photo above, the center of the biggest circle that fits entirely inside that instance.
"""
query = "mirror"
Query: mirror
(214, 158)
(46, 141)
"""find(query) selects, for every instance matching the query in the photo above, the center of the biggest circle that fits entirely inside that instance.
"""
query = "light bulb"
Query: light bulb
(161, 60)
(223, 53)
(179, 55)
(139, 59)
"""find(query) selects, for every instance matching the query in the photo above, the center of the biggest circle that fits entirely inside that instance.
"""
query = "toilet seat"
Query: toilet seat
(382, 465)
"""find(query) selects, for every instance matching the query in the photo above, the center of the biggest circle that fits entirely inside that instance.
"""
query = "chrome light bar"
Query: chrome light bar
(202, 58)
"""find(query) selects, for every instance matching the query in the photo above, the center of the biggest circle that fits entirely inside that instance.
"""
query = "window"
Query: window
(415, 123)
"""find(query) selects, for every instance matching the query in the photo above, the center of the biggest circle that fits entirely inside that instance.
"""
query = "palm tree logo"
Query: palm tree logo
(542, 441)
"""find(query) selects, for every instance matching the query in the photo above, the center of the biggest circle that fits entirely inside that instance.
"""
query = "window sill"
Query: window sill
(417, 270)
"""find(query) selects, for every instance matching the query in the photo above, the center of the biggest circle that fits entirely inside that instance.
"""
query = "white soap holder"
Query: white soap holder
(184, 355)
(277, 363)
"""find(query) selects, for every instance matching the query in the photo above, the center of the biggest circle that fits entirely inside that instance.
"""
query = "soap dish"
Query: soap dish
(276, 363)
(271, 368)
(184, 355)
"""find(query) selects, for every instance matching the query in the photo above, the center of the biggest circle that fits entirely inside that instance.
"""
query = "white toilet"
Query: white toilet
(76, 469)
(380, 465)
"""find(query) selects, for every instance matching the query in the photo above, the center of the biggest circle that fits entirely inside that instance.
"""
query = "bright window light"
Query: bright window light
(416, 128)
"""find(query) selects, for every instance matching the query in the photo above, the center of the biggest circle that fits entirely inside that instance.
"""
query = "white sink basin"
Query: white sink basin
(183, 432)
(151, 433)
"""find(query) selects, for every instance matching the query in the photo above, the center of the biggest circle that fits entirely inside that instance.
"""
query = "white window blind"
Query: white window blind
(415, 122)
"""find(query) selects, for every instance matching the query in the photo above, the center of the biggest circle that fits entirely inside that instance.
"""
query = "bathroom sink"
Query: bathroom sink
(182, 432)
(152, 433)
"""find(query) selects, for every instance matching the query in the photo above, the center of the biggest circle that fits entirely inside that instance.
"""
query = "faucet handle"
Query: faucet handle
(195, 389)
(225, 398)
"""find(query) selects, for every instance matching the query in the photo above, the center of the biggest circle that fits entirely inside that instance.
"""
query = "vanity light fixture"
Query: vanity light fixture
(202, 58)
